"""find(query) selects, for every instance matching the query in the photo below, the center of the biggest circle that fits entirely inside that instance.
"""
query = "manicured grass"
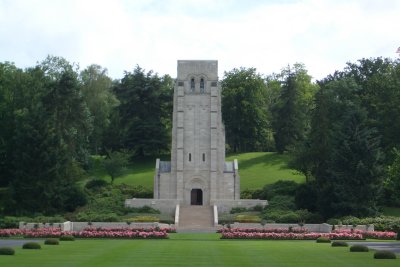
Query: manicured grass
(191, 250)
(140, 172)
(391, 211)
(257, 169)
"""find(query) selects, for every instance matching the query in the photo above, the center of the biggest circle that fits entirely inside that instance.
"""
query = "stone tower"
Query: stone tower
(197, 173)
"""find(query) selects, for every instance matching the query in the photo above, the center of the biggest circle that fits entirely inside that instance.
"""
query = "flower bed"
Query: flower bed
(371, 234)
(290, 236)
(89, 233)
(300, 234)
(264, 230)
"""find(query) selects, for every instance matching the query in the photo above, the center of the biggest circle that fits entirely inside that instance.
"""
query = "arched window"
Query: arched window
(202, 85)
(190, 157)
(204, 157)
(192, 84)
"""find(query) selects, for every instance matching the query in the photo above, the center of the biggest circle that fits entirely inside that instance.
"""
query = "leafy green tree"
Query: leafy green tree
(98, 95)
(145, 111)
(42, 168)
(291, 110)
(244, 110)
(10, 77)
(379, 80)
(355, 171)
(70, 115)
(392, 182)
(115, 163)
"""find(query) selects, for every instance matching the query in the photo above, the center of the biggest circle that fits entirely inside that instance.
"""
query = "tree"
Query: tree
(355, 169)
(392, 182)
(42, 167)
(99, 98)
(115, 163)
(70, 115)
(145, 111)
(244, 110)
(291, 110)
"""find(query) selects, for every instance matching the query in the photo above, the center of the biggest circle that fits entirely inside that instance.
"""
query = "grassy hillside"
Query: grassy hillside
(255, 169)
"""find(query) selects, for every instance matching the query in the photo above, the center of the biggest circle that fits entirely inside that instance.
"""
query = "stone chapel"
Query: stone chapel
(197, 174)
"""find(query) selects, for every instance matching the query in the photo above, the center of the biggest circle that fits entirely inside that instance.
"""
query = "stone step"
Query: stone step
(196, 218)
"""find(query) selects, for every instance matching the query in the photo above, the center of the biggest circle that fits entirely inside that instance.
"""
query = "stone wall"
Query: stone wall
(225, 205)
(78, 226)
(166, 206)
(318, 228)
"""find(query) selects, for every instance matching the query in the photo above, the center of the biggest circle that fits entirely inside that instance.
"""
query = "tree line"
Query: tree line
(342, 131)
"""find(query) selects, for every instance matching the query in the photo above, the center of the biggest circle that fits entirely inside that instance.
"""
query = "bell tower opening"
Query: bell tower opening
(196, 197)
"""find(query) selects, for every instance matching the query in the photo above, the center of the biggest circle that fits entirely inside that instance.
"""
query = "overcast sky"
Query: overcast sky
(267, 35)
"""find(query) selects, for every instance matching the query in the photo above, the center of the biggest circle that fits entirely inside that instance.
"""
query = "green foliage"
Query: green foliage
(143, 218)
(392, 181)
(92, 216)
(289, 112)
(31, 245)
(359, 248)
(281, 202)
(339, 244)
(383, 254)
(7, 251)
(244, 110)
(237, 210)
(323, 240)
(144, 113)
(67, 238)
(51, 241)
(107, 204)
(144, 209)
(115, 163)
(246, 218)
(13, 222)
(269, 191)
(306, 196)
(95, 184)
(381, 223)
(98, 95)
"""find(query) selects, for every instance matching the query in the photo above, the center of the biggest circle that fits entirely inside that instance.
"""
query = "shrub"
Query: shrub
(359, 248)
(237, 210)
(95, 184)
(7, 251)
(339, 244)
(323, 240)
(31, 245)
(279, 188)
(384, 255)
(143, 219)
(51, 241)
(67, 238)
(282, 202)
(244, 218)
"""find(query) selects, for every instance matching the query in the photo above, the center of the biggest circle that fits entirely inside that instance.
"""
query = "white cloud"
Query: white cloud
(268, 35)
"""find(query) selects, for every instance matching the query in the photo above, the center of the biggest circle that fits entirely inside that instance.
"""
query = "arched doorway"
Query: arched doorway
(196, 197)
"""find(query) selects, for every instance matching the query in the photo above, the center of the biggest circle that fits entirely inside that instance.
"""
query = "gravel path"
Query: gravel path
(16, 242)
(391, 246)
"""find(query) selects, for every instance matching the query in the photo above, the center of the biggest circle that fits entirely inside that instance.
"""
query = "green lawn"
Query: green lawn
(191, 250)
(256, 169)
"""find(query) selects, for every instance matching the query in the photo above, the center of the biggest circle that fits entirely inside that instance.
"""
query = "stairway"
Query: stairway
(194, 219)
